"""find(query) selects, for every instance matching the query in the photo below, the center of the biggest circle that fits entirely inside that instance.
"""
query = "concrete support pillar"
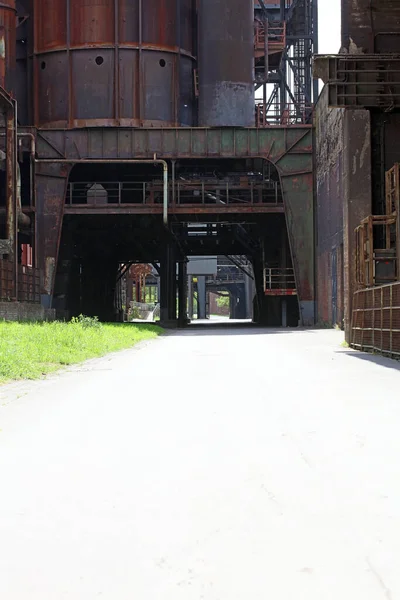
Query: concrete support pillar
(239, 305)
(260, 309)
(168, 285)
(299, 211)
(182, 293)
(201, 297)
(190, 297)
(357, 203)
(284, 312)
(232, 305)
(98, 283)
(249, 287)
(51, 187)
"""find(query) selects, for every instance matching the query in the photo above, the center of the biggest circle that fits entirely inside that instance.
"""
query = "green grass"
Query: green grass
(31, 350)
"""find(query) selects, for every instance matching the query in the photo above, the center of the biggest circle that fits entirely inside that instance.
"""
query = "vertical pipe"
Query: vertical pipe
(15, 200)
(263, 122)
(116, 61)
(315, 33)
(165, 202)
(283, 70)
(2, 56)
(140, 66)
(266, 56)
(173, 182)
(70, 111)
(177, 63)
(10, 156)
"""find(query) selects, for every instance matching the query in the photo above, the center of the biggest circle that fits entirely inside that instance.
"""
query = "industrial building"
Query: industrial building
(357, 178)
(150, 132)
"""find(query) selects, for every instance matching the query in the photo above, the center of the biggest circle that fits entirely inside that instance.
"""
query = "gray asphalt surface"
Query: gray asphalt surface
(212, 464)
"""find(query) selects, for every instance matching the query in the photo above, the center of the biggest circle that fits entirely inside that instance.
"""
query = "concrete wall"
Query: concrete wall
(370, 26)
(357, 203)
(22, 311)
(343, 199)
(329, 181)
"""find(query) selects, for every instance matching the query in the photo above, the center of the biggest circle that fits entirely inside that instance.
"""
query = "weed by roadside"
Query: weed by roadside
(31, 350)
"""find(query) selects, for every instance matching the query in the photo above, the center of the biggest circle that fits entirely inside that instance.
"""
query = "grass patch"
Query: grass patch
(31, 350)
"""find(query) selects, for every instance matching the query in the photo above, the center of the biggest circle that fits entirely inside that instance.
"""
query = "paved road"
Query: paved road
(214, 464)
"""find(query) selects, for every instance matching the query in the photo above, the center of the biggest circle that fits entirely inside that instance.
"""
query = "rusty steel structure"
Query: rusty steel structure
(376, 320)
(8, 47)
(9, 162)
(286, 38)
(357, 175)
(139, 139)
(122, 63)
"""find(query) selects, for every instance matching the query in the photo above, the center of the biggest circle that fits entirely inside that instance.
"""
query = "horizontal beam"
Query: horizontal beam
(177, 210)
(271, 143)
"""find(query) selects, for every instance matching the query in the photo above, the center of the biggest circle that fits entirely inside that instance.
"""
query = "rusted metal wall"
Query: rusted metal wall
(8, 27)
(115, 62)
(370, 26)
(226, 63)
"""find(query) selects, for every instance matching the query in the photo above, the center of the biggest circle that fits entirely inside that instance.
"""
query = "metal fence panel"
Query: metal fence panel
(376, 320)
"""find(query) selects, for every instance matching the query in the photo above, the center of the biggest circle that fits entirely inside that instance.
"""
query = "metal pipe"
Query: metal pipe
(266, 49)
(26, 134)
(15, 199)
(9, 173)
(129, 161)
(173, 182)
(165, 201)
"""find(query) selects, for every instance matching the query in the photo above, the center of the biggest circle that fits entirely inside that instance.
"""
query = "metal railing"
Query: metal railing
(28, 283)
(232, 276)
(376, 266)
(224, 193)
(375, 323)
(279, 281)
(277, 114)
(246, 192)
(276, 36)
(108, 192)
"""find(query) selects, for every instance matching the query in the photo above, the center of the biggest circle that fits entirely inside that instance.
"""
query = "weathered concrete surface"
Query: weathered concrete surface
(232, 465)
(330, 184)
(24, 311)
(343, 199)
(357, 203)
(370, 26)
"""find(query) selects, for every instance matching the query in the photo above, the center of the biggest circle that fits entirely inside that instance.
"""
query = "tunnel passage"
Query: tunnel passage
(113, 217)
